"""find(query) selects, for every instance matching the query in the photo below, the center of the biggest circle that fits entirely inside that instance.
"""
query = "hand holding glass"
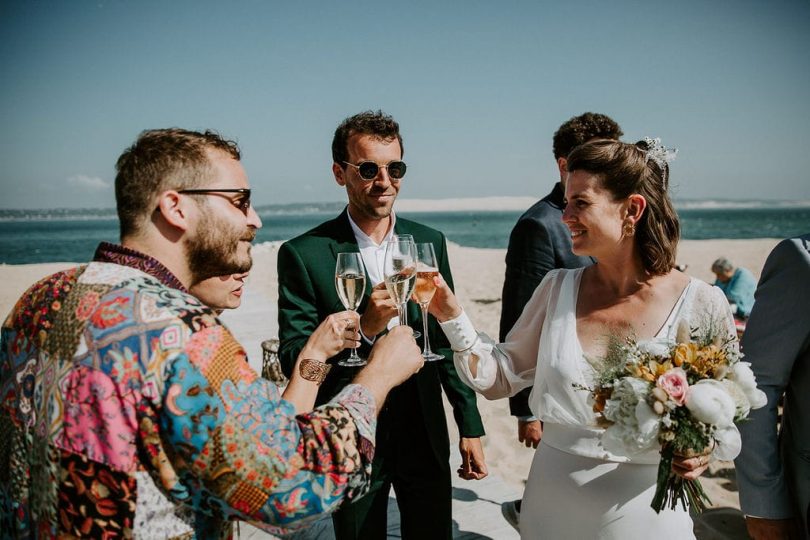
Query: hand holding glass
(350, 282)
(427, 268)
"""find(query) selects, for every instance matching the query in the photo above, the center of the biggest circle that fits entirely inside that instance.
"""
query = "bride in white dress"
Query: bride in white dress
(619, 212)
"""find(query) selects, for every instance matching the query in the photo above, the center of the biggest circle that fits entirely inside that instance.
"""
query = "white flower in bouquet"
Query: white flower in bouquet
(742, 375)
(635, 425)
(741, 402)
(727, 443)
(710, 403)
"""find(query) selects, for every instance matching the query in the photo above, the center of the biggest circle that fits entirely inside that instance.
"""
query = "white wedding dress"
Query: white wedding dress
(576, 489)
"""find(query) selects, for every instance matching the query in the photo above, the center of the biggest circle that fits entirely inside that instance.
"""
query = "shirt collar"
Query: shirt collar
(117, 254)
(364, 240)
(557, 196)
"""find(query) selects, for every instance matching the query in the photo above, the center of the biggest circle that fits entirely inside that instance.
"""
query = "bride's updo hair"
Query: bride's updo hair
(625, 169)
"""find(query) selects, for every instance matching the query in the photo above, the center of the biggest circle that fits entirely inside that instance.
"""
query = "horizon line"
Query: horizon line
(490, 203)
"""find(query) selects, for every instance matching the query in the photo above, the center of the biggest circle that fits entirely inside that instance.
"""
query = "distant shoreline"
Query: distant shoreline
(73, 235)
(455, 204)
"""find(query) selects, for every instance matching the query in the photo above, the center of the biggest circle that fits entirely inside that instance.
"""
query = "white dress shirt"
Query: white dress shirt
(373, 255)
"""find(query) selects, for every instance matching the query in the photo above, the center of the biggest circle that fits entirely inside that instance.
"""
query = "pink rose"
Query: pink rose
(674, 383)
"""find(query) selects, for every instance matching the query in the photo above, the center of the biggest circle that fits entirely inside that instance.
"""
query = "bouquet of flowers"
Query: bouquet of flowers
(681, 397)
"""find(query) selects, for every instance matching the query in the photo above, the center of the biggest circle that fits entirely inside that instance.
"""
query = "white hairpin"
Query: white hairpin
(659, 153)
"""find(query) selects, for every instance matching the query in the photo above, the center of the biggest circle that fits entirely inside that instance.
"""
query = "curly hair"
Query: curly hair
(162, 159)
(624, 169)
(374, 123)
(583, 128)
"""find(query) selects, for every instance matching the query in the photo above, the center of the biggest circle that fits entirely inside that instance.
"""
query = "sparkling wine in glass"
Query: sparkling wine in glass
(416, 333)
(427, 268)
(399, 270)
(350, 283)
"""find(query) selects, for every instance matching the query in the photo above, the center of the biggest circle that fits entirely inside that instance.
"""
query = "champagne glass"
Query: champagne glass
(416, 334)
(399, 271)
(427, 268)
(350, 282)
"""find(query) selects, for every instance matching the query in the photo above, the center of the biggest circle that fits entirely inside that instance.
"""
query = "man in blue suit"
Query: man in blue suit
(773, 469)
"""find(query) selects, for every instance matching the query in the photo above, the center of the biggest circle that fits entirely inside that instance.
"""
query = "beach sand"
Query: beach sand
(478, 275)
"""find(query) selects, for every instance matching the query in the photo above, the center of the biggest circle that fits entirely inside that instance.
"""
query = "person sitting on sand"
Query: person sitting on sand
(738, 284)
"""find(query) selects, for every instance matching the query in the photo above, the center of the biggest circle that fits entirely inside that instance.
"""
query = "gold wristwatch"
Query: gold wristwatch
(313, 370)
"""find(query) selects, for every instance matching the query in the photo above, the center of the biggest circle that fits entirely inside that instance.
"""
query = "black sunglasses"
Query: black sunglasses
(242, 203)
(369, 170)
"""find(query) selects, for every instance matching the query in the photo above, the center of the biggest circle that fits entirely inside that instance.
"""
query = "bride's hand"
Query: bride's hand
(444, 305)
(692, 467)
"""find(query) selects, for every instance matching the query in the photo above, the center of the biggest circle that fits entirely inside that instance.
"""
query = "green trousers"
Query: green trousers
(404, 460)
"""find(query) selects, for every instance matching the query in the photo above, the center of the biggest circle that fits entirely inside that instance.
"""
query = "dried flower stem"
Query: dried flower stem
(672, 489)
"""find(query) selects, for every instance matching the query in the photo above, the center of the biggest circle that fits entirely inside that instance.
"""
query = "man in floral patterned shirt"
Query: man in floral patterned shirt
(127, 408)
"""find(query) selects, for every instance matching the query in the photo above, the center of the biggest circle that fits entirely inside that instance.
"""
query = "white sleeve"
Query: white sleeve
(500, 370)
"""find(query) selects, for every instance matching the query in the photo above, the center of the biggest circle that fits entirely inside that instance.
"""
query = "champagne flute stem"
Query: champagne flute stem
(353, 356)
(426, 351)
(402, 314)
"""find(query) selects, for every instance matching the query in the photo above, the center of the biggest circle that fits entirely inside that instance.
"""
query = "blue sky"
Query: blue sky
(478, 88)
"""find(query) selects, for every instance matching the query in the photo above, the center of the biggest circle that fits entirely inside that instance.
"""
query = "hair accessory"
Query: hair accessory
(659, 153)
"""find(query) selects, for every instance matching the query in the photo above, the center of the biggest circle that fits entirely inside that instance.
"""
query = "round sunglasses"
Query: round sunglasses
(369, 170)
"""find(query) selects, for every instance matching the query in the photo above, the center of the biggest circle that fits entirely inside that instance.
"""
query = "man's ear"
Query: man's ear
(175, 209)
(562, 164)
(340, 174)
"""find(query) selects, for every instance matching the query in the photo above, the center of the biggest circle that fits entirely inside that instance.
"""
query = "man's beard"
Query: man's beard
(214, 250)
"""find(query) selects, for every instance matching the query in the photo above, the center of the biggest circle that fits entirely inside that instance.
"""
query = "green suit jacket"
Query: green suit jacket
(307, 295)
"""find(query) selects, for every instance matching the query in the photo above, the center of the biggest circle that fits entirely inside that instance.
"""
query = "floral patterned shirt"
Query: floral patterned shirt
(128, 410)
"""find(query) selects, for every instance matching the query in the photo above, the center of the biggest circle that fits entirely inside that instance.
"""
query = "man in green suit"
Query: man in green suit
(412, 450)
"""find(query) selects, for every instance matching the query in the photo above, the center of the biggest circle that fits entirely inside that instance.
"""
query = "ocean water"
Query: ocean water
(34, 236)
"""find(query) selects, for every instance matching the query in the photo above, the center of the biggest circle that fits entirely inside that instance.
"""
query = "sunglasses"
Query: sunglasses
(242, 203)
(369, 170)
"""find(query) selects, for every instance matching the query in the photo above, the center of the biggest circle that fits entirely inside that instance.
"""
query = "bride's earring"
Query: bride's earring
(629, 228)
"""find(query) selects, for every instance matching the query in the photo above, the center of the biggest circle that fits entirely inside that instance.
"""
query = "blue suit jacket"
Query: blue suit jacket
(773, 471)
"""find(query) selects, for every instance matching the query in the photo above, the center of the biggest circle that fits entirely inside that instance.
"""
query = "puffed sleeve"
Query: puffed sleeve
(503, 369)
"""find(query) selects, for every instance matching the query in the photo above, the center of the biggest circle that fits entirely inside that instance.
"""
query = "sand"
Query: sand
(478, 274)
